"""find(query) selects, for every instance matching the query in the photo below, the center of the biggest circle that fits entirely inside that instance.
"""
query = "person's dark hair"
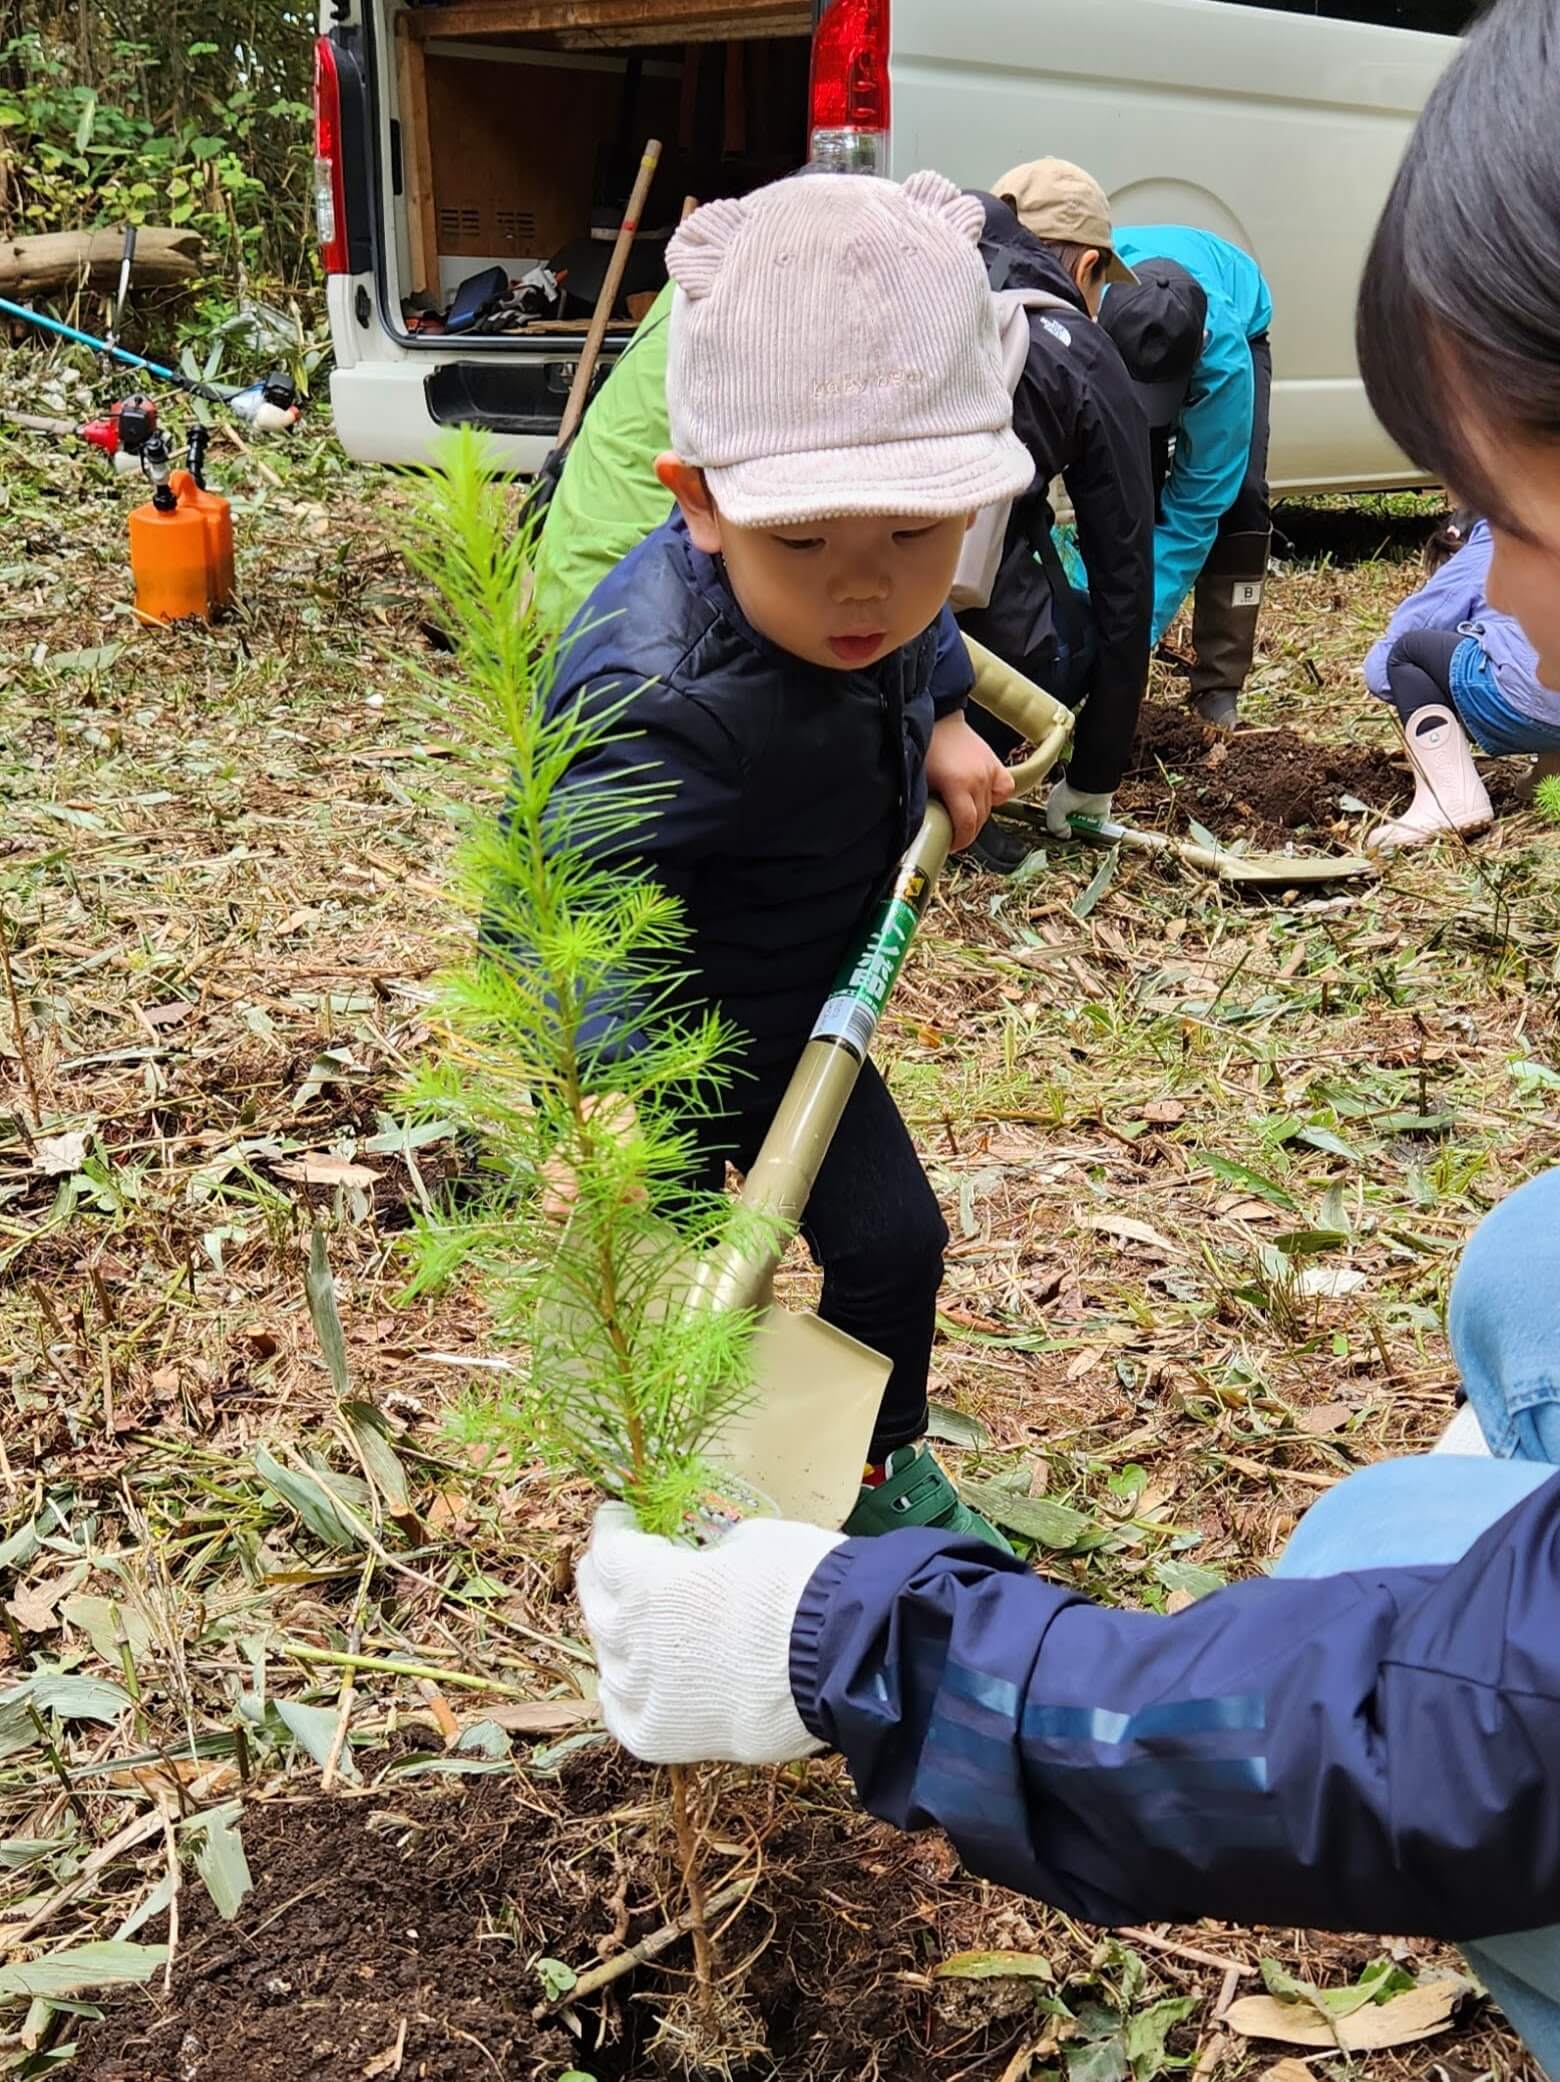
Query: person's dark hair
(1451, 535)
(1459, 311)
(1070, 253)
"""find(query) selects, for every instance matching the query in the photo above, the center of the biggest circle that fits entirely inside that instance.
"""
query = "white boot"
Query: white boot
(1448, 796)
(1463, 1435)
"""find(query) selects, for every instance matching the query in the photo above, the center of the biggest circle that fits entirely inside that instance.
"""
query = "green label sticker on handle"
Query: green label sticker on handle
(864, 985)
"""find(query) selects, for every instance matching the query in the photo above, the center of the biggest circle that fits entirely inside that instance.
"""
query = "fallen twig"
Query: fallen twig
(343, 1659)
(439, 1707)
(1242, 1466)
(347, 1699)
(16, 1022)
(648, 1948)
(165, 1814)
(1219, 1960)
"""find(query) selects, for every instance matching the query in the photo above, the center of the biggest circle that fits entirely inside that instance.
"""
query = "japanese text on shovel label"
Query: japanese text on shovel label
(855, 1005)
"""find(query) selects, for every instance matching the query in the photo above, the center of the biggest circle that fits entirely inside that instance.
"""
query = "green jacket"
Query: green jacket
(609, 497)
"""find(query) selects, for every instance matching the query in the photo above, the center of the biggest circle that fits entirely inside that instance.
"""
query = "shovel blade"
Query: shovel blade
(1279, 871)
(802, 1440)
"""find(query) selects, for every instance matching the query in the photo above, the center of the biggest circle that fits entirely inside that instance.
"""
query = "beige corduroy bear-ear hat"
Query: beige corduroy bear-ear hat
(834, 352)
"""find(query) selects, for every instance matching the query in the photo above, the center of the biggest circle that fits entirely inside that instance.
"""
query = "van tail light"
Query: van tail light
(330, 194)
(849, 101)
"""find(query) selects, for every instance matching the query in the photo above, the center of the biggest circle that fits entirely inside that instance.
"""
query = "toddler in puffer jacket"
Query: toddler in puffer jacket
(838, 412)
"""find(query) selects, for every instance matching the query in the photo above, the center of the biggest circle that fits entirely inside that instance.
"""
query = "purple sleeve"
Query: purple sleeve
(1451, 596)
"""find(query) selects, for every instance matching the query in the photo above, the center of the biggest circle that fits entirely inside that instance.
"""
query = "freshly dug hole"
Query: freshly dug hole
(1269, 785)
(426, 1905)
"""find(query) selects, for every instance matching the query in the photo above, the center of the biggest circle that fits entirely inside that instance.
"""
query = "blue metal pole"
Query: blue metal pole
(208, 391)
(69, 332)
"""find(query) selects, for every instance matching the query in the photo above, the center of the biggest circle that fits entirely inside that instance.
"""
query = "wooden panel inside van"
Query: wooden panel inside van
(515, 146)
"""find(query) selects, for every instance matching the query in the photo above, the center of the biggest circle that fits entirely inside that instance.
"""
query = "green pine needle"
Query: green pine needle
(620, 1387)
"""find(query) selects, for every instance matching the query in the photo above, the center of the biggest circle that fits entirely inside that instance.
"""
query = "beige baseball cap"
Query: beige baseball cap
(1053, 199)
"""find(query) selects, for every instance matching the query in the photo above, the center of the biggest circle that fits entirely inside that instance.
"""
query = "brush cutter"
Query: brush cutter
(802, 1441)
(1272, 870)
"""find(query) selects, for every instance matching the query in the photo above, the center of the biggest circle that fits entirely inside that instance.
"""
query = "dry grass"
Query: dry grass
(1153, 1127)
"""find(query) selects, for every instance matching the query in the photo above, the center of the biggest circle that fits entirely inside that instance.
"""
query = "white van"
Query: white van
(462, 142)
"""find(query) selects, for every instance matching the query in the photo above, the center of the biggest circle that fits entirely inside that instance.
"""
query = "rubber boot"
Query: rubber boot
(915, 1491)
(1448, 794)
(1000, 848)
(1545, 767)
(1225, 609)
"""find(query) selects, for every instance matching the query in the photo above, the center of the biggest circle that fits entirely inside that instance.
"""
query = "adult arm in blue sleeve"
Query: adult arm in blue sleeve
(952, 673)
(1212, 448)
(1363, 1752)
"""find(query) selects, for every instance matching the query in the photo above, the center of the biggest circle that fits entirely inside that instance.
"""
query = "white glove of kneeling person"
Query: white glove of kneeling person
(1064, 802)
(693, 1645)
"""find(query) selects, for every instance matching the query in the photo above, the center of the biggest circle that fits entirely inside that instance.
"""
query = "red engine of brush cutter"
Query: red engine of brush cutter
(125, 432)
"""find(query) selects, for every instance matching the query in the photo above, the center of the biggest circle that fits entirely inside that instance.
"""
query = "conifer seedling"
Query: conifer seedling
(569, 1059)
(578, 1075)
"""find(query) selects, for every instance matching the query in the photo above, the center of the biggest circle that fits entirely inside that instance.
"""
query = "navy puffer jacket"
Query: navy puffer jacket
(795, 789)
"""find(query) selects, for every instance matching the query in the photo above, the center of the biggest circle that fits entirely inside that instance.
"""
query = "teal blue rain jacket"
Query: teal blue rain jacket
(1213, 434)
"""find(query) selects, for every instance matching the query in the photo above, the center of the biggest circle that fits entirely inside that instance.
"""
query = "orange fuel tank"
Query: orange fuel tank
(181, 557)
(218, 517)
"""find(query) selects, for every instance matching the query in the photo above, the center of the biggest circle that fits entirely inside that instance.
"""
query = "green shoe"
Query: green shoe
(917, 1492)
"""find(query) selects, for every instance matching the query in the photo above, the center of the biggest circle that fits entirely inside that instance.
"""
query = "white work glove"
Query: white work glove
(1063, 801)
(693, 1646)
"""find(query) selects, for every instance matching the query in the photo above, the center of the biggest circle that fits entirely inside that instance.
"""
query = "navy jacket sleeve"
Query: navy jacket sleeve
(1110, 485)
(1363, 1752)
(952, 673)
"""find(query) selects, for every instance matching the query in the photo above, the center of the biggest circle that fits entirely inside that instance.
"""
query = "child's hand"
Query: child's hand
(560, 1187)
(966, 776)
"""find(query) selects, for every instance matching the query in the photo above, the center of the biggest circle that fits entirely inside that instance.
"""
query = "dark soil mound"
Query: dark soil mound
(421, 1912)
(1267, 785)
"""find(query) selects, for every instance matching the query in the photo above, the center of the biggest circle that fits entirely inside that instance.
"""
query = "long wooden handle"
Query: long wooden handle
(579, 390)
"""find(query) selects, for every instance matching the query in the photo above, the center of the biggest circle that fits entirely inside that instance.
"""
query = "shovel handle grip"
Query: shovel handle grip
(1039, 718)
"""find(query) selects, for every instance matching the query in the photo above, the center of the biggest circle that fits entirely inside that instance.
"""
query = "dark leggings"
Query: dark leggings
(1419, 671)
(874, 1228)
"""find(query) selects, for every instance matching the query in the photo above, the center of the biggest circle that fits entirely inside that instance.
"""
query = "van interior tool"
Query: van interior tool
(1270, 870)
(475, 298)
(590, 353)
